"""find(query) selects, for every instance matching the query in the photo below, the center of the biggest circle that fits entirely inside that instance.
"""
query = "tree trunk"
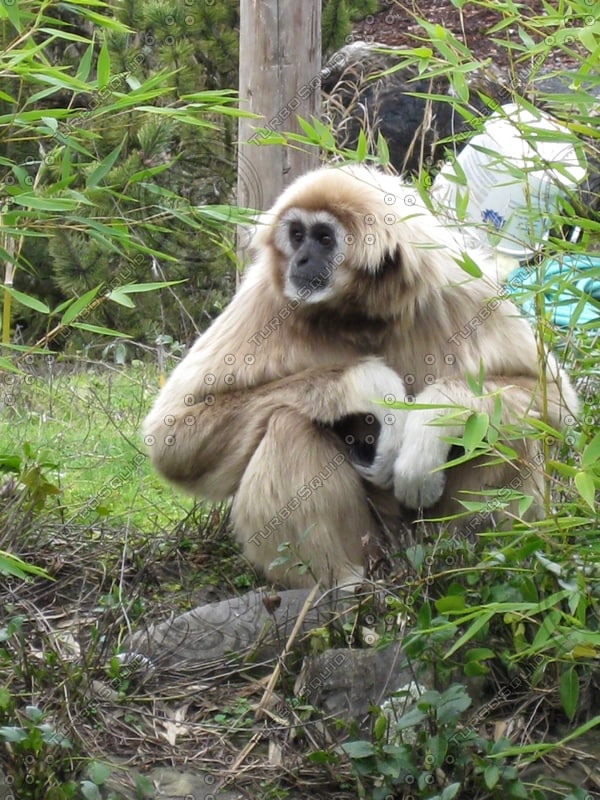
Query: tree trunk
(280, 64)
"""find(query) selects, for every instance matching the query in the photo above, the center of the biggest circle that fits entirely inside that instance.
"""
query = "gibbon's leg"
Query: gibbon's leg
(469, 482)
(418, 481)
(300, 487)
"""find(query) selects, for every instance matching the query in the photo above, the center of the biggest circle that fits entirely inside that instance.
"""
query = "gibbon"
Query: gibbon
(355, 299)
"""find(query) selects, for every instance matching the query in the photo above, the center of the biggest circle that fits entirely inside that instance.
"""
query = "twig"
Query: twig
(268, 693)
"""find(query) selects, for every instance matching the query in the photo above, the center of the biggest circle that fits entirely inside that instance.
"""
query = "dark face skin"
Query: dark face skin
(314, 249)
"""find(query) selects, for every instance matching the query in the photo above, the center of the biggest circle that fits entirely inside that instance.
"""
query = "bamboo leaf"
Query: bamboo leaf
(84, 326)
(586, 488)
(7, 366)
(11, 10)
(86, 63)
(27, 300)
(591, 454)
(569, 691)
(469, 265)
(383, 152)
(479, 623)
(40, 203)
(117, 296)
(476, 427)
(136, 288)
(78, 306)
(105, 166)
(103, 66)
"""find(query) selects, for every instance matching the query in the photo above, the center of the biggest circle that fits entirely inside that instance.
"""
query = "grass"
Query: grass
(83, 425)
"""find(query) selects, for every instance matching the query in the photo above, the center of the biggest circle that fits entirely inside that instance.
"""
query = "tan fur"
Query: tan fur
(248, 411)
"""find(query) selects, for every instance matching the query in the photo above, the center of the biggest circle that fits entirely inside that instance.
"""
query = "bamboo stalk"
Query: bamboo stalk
(8, 243)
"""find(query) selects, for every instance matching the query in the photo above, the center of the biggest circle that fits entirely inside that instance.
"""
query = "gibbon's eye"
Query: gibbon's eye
(297, 233)
(324, 235)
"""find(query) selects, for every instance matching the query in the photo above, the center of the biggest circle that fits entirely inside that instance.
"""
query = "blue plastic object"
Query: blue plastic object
(571, 289)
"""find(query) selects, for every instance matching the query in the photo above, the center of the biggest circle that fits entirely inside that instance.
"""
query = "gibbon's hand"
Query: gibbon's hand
(416, 484)
(377, 384)
(381, 470)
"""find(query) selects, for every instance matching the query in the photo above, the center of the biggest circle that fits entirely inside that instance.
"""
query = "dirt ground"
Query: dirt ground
(397, 25)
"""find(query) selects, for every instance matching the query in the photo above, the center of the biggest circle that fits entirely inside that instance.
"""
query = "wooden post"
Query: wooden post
(280, 62)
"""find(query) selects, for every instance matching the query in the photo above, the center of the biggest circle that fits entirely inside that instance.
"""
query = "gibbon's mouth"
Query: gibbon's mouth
(310, 283)
(311, 290)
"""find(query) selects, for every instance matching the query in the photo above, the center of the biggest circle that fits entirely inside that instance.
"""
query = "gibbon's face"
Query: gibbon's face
(312, 243)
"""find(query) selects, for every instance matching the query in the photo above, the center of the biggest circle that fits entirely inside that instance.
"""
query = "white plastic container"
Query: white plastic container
(505, 183)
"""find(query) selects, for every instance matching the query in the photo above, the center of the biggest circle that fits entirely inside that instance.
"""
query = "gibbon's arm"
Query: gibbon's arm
(502, 343)
(205, 446)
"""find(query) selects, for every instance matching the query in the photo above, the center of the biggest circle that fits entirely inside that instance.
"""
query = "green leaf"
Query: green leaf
(491, 776)
(460, 86)
(10, 9)
(586, 488)
(79, 305)
(414, 716)
(450, 791)
(105, 166)
(450, 603)
(40, 203)
(99, 772)
(424, 616)
(13, 734)
(359, 749)
(468, 265)
(27, 300)
(415, 555)
(546, 630)
(482, 619)
(135, 288)
(361, 146)
(383, 151)
(548, 564)
(34, 713)
(7, 365)
(479, 654)
(103, 66)
(121, 298)
(380, 727)
(476, 428)
(83, 70)
(5, 697)
(569, 691)
(453, 702)
(591, 454)
(588, 39)
(90, 791)
(84, 326)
